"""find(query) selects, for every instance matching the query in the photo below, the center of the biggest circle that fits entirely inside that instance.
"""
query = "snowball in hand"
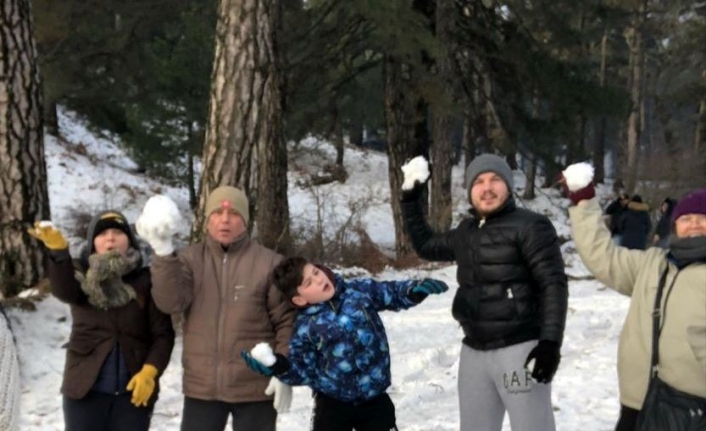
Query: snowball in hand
(262, 352)
(161, 215)
(45, 223)
(578, 176)
(415, 170)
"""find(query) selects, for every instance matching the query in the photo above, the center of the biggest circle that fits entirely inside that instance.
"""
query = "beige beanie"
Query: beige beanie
(227, 196)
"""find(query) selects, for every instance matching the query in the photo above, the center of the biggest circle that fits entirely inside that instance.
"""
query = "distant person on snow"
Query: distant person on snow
(512, 298)
(664, 225)
(635, 224)
(339, 347)
(662, 349)
(615, 211)
(120, 343)
(9, 377)
(222, 286)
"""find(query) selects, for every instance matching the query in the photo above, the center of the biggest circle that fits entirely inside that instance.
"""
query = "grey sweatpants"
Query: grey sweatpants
(493, 381)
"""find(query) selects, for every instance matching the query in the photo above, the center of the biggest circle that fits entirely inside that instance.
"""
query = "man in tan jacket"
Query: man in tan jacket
(681, 273)
(222, 286)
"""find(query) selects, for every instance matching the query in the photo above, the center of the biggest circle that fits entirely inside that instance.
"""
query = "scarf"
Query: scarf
(103, 281)
(686, 251)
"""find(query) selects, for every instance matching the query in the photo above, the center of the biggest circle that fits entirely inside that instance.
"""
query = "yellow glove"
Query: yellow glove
(49, 235)
(142, 385)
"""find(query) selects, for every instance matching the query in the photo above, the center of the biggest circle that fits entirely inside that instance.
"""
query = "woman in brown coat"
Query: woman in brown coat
(120, 343)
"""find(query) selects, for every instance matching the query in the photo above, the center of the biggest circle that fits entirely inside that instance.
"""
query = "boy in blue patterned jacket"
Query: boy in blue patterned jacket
(339, 347)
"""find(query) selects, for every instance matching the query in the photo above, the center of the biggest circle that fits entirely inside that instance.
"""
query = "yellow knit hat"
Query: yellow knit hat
(228, 197)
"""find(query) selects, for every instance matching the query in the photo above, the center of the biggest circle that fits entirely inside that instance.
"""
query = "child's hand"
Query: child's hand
(256, 365)
(429, 286)
(280, 366)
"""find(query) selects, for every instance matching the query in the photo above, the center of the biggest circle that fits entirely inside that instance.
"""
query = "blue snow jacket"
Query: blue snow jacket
(339, 348)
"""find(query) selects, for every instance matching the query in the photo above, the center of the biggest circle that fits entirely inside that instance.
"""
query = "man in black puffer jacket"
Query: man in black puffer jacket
(511, 302)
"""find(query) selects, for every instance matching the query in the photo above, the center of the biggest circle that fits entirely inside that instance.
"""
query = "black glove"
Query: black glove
(546, 357)
(413, 195)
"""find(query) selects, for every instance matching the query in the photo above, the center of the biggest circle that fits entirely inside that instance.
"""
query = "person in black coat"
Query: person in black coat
(664, 225)
(635, 224)
(615, 210)
(511, 302)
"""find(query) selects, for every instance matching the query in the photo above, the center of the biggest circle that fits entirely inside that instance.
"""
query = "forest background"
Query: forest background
(210, 93)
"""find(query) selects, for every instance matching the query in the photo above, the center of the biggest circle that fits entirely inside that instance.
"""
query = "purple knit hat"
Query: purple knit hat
(693, 203)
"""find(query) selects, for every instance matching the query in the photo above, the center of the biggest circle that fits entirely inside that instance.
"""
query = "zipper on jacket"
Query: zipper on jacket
(219, 330)
(481, 223)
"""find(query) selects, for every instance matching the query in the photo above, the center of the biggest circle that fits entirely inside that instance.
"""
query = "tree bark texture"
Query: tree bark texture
(400, 111)
(598, 153)
(700, 137)
(356, 133)
(634, 132)
(244, 145)
(440, 210)
(23, 177)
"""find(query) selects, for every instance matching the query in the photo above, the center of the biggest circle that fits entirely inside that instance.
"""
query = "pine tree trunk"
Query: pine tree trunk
(191, 171)
(469, 139)
(529, 192)
(356, 133)
(440, 209)
(531, 171)
(599, 144)
(634, 131)
(51, 120)
(700, 136)
(337, 131)
(244, 146)
(23, 177)
(400, 109)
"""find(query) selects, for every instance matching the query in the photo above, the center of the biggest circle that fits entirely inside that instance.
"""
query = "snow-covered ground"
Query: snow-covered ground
(425, 341)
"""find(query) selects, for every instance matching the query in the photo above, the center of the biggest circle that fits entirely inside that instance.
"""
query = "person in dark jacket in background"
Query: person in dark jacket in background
(120, 342)
(511, 302)
(635, 224)
(664, 225)
(615, 211)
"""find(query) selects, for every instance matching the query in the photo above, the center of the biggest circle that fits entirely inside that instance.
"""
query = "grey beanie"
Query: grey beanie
(489, 163)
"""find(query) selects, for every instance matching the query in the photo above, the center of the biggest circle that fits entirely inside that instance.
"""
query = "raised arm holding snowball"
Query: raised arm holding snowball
(511, 302)
(222, 287)
(662, 389)
(120, 343)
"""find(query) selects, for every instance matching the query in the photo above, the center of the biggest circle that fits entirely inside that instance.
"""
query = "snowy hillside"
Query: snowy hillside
(425, 341)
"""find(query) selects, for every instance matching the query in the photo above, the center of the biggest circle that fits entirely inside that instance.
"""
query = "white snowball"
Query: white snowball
(578, 176)
(415, 170)
(262, 352)
(160, 211)
(45, 223)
